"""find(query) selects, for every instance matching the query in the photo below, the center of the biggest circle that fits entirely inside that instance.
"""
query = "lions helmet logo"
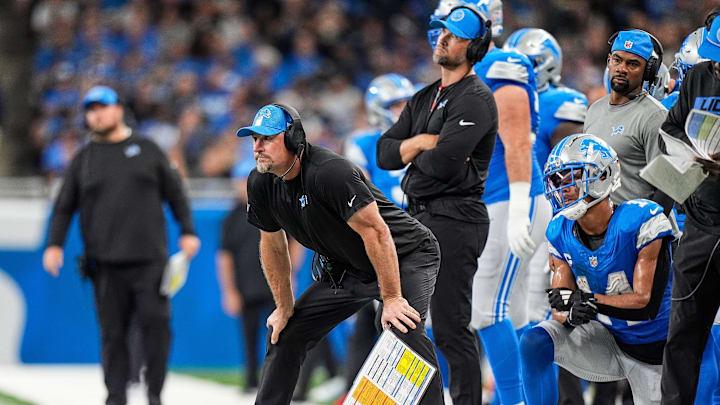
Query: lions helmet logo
(628, 44)
(591, 147)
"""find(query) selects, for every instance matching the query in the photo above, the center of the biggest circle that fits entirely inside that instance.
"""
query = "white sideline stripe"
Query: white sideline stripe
(83, 385)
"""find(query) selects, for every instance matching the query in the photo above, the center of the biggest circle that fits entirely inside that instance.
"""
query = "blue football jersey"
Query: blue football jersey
(672, 98)
(609, 269)
(361, 149)
(499, 68)
(557, 105)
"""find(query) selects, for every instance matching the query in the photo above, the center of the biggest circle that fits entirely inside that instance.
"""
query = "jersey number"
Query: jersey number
(617, 284)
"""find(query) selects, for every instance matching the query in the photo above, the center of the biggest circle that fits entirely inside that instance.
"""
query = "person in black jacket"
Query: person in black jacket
(244, 288)
(118, 183)
(696, 273)
(367, 248)
(447, 133)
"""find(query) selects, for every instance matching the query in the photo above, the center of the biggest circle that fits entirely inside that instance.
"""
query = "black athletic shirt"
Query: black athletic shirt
(465, 117)
(119, 189)
(315, 206)
(700, 89)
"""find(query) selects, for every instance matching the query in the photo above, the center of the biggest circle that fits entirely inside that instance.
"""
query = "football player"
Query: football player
(611, 265)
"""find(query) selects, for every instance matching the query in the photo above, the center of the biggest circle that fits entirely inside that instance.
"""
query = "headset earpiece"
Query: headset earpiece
(295, 135)
(478, 47)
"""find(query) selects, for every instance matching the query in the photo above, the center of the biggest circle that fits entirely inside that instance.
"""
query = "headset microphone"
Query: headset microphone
(301, 148)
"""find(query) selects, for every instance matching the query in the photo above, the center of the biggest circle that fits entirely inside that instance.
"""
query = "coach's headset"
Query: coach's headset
(295, 139)
(478, 46)
(652, 67)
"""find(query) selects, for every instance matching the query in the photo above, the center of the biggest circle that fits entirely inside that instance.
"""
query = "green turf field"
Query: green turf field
(9, 400)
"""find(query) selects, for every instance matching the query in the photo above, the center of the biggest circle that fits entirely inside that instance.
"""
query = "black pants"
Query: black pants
(461, 243)
(120, 294)
(253, 313)
(322, 307)
(319, 356)
(691, 317)
(361, 342)
(569, 388)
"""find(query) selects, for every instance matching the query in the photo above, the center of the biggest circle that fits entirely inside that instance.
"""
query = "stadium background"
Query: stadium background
(192, 72)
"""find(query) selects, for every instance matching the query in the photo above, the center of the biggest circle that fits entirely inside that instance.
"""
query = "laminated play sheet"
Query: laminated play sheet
(393, 374)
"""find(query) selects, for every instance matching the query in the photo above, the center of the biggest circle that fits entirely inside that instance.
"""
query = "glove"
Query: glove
(518, 224)
(581, 313)
(581, 297)
(559, 298)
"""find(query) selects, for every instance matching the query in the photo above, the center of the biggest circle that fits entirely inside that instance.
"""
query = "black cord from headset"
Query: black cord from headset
(707, 267)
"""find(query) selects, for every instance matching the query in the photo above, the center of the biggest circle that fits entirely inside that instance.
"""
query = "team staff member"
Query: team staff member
(447, 131)
(629, 119)
(118, 183)
(367, 247)
(245, 292)
(697, 260)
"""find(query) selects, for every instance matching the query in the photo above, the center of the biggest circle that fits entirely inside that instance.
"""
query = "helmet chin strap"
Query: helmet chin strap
(579, 209)
(576, 211)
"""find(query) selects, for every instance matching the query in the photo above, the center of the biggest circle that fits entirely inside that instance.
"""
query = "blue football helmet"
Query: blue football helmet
(383, 92)
(441, 11)
(688, 54)
(493, 11)
(583, 161)
(542, 49)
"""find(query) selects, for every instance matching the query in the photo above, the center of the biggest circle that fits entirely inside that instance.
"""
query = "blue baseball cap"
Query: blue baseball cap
(710, 46)
(634, 41)
(462, 22)
(100, 94)
(269, 120)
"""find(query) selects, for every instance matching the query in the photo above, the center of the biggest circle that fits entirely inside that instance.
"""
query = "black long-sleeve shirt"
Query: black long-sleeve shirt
(701, 90)
(465, 118)
(119, 189)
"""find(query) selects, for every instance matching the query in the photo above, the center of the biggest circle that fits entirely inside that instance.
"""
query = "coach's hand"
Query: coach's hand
(277, 321)
(190, 244)
(53, 260)
(398, 313)
(711, 166)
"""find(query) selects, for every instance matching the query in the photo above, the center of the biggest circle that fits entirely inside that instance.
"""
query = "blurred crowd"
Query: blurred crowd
(191, 72)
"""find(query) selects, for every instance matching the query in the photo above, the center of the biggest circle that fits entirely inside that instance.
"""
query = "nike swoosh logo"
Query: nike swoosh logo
(655, 210)
(513, 60)
(578, 101)
(464, 123)
(350, 203)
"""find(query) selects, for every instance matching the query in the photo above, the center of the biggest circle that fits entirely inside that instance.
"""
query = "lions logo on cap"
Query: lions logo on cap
(457, 15)
(264, 113)
(628, 44)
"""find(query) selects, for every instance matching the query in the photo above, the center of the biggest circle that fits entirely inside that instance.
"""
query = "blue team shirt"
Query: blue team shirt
(499, 68)
(557, 105)
(609, 269)
(361, 149)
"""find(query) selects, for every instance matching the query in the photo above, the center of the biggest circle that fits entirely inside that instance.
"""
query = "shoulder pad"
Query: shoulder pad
(571, 111)
(509, 66)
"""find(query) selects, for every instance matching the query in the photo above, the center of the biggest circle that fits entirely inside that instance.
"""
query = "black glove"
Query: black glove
(580, 296)
(560, 298)
(581, 313)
